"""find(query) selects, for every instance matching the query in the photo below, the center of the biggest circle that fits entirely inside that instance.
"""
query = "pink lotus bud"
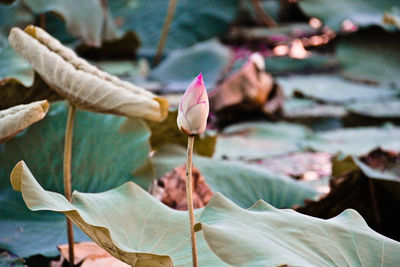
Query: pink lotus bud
(193, 108)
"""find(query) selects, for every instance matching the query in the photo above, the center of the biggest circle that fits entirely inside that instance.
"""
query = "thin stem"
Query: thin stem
(375, 206)
(42, 21)
(263, 15)
(69, 131)
(104, 7)
(167, 23)
(189, 193)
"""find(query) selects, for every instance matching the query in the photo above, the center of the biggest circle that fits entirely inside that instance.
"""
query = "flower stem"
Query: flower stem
(164, 34)
(189, 193)
(69, 131)
(42, 21)
(263, 15)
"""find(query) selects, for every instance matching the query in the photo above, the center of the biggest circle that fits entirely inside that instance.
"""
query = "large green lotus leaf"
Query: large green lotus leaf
(13, 15)
(124, 68)
(356, 141)
(7, 260)
(255, 140)
(102, 158)
(246, 10)
(93, 28)
(194, 21)
(301, 108)
(242, 183)
(96, 139)
(266, 236)
(128, 222)
(18, 84)
(14, 66)
(284, 65)
(361, 12)
(371, 56)
(26, 233)
(381, 109)
(283, 33)
(182, 65)
(333, 89)
(318, 116)
(55, 25)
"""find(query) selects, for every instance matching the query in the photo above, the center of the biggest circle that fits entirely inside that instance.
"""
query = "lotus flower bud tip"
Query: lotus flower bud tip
(193, 108)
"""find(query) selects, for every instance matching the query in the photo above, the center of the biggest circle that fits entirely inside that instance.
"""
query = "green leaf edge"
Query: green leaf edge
(349, 217)
(20, 184)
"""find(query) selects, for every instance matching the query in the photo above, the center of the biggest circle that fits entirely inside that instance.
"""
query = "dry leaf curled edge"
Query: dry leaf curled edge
(83, 84)
(16, 119)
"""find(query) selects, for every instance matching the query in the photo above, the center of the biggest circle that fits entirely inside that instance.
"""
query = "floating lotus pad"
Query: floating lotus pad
(256, 140)
(363, 13)
(334, 89)
(355, 141)
(241, 182)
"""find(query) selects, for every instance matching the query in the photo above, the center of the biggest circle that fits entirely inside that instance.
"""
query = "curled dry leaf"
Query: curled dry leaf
(15, 119)
(249, 86)
(250, 91)
(171, 189)
(83, 84)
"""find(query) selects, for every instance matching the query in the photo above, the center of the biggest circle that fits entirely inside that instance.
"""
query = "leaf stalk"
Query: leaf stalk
(69, 131)
(263, 15)
(165, 30)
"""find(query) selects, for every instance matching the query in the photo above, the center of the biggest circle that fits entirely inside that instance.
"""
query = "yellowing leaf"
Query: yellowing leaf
(83, 84)
(15, 119)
